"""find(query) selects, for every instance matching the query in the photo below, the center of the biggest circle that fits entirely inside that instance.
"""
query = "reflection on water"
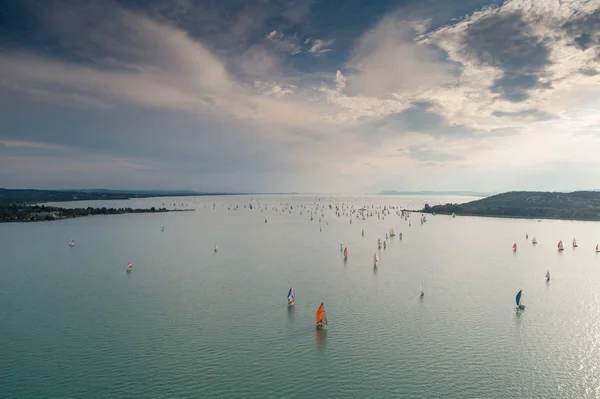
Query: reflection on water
(518, 316)
(320, 336)
(291, 311)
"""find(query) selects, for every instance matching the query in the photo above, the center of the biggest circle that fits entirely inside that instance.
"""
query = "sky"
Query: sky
(324, 96)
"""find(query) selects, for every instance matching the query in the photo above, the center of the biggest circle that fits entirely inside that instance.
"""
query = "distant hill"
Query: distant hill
(38, 196)
(578, 205)
(458, 193)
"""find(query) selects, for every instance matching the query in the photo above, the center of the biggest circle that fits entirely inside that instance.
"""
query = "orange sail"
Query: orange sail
(345, 252)
(320, 314)
(560, 244)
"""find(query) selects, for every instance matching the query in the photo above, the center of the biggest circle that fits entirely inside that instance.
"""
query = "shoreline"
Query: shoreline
(512, 217)
(17, 213)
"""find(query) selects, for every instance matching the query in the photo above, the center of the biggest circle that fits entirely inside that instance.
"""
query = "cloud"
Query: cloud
(423, 153)
(140, 62)
(386, 60)
(508, 42)
(528, 114)
(208, 92)
(270, 88)
(257, 61)
(584, 31)
(288, 44)
(421, 117)
(320, 46)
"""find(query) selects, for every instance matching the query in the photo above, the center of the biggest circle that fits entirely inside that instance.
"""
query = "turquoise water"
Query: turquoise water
(190, 323)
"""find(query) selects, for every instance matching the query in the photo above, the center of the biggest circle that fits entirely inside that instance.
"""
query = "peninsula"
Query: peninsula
(578, 205)
(24, 205)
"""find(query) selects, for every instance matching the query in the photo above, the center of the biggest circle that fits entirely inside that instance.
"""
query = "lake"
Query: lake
(189, 322)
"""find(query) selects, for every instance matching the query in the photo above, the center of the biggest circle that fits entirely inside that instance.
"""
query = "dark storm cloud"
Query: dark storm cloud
(420, 117)
(530, 114)
(585, 31)
(507, 42)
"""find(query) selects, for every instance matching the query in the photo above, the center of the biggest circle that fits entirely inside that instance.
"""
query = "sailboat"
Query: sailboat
(597, 250)
(129, 267)
(515, 247)
(453, 215)
(345, 253)
(216, 248)
(519, 306)
(375, 260)
(560, 246)
(321, 317)
(400, 236)
(384, 244)
(265, 220)
(363, 232)
(526, 236)
(392, 234)
(291, 297)
(574, 243)
(72, 243)
(547, 275)
(422, 290)
(379, 243)
(162, 229)
(534, 241)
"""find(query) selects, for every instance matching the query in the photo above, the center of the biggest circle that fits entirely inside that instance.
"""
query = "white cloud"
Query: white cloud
(159, 66)
(258, 61)
(272, 89)
(320, 46)
(281, 42)
(340, 80)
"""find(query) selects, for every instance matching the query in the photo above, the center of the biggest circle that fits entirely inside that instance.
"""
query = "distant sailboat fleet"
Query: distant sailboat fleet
(363, 213)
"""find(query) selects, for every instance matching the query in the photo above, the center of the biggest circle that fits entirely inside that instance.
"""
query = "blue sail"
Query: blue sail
(289, 293)
(519, 298)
